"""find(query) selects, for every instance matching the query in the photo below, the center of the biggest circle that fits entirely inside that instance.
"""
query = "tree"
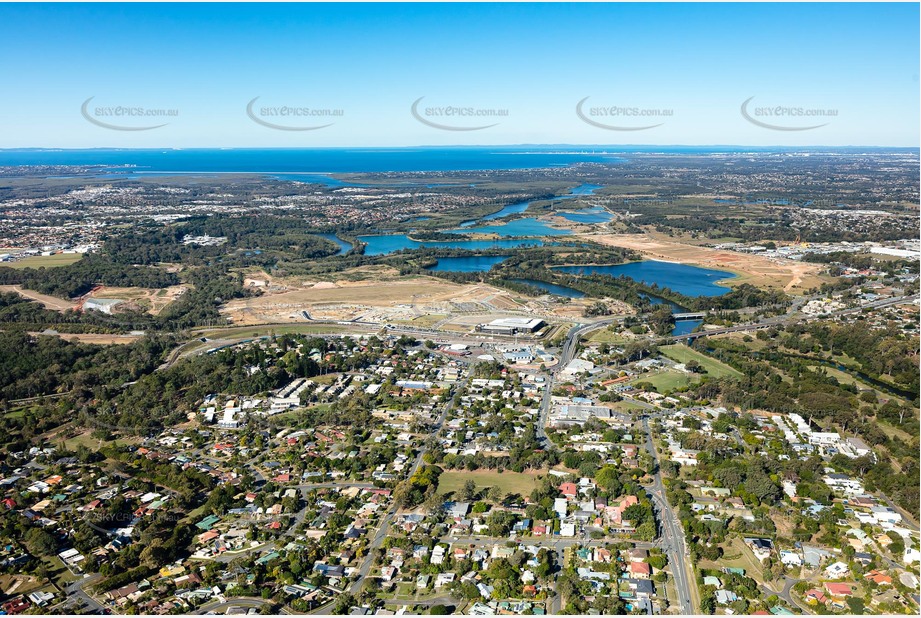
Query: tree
(468, 491)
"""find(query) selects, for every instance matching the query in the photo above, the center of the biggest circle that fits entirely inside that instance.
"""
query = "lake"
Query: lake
(513, 209)
(383, 244)
(344, 247)
(518, 227)
(589, 215)
(682, 278)
(552, 288)
(471, 264)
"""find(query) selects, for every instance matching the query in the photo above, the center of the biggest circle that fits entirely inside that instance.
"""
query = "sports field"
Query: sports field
(46, 261)
(681, 353)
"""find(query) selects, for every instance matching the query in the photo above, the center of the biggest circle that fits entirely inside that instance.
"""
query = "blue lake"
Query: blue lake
(589, 215)
(382, 244)
(513, 209)
(518, 227)
(472, 264)
(552, 288)
(344, 247)
(683, 278)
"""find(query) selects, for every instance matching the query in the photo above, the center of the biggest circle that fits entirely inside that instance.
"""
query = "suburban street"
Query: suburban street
(672, 532)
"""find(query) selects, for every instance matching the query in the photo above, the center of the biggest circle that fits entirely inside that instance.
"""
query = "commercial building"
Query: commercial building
(511, 326)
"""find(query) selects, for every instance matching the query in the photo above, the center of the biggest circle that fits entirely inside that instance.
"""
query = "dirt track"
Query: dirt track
(50, 302)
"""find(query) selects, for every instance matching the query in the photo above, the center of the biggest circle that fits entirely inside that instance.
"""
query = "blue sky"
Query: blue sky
(696, 64)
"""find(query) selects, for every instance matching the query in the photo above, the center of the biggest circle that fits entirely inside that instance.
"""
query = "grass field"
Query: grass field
(681, 353)
(627, 406)
(738, 555)
(666, 381)
(508, 482)
(606, 335)
(47, 261)
(87, 440)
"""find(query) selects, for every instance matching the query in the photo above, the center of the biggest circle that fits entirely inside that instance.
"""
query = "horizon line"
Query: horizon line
(518, 145)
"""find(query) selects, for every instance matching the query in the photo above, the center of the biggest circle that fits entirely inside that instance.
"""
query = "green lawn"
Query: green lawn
(507, 482)
(681, 353)
(737, 555)
(48, 261)
(606, 335)
(627, 406)
(666, 381)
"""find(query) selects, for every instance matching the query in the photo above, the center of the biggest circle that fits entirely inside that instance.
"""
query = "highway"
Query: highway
(567, 353)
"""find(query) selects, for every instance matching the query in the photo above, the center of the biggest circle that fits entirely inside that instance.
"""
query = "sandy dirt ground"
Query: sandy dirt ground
(383, 297)
(50, 302)
(151, 300)
(789, 275)
(97, 338)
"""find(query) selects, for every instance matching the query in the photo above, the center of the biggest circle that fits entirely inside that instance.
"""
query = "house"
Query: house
(642, 588)
(791, 558)
(813, 556)
(838, 590)
(760, 547)
(815, 596)
(725, 597)
(457, 510)
(638, 554)
(422, 582)
(844, 483)
(639, 570)
(570, 490)
(443, 579)
(560, 507)
(710, 580)
(879, 578)
(16, 606)
(836, 570)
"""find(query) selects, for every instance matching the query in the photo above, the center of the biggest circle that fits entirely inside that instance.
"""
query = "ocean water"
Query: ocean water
(284, 161)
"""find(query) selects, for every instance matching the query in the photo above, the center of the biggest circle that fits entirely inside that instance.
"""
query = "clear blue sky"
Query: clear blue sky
(537, 61)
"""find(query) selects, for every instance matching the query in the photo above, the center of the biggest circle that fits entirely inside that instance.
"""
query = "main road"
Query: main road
(673, 541)
(567, 353)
